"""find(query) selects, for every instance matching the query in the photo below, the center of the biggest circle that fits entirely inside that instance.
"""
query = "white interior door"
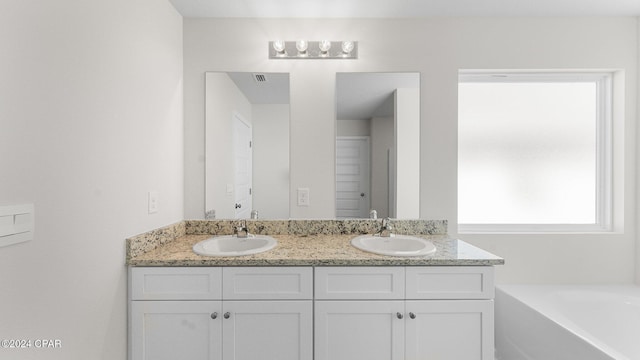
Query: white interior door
(242, 137)
(353, 198)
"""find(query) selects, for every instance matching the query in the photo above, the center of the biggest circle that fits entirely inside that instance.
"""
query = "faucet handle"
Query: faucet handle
(386, 228)
(241, 229)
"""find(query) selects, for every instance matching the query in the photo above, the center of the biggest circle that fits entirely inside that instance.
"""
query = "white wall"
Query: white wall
(407, 152)
(437, 48)
(382, 137)
(271, 160)
(90, 121)
(638, 148)
(353, 127)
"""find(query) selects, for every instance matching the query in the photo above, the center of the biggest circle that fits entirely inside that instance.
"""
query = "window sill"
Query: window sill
(534, 229)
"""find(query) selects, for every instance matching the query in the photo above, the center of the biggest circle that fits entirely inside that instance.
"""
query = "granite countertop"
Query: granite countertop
(314, 250)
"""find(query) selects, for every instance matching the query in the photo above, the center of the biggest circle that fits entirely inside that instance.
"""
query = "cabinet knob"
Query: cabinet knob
(399, 315)
(412, 315)
(227, 315)
(214, 315)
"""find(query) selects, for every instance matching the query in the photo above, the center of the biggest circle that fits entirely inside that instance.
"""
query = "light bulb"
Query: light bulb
(302, 46)
(278, 46)
(347, 47)
(324, 46)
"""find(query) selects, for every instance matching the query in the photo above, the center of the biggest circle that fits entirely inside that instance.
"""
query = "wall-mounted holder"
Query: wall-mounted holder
(16, 224)
(303, 49)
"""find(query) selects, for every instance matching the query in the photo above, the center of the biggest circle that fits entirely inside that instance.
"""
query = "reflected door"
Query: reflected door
(352, 177)
(243, 164)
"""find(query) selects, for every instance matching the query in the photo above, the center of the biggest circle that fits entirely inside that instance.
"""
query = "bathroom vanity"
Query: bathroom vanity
(314, 296)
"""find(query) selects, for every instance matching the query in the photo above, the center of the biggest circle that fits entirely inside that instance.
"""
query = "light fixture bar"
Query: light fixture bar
(303, 49)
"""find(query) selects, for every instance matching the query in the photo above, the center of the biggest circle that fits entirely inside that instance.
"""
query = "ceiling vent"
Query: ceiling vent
(260, 78)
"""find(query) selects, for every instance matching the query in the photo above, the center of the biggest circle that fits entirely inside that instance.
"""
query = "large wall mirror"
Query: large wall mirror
(247, 145)
(378, 145)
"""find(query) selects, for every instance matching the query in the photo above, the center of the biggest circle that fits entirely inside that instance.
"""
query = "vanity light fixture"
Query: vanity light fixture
(279, 48)
(302, 46)
(347, 47)
(303, 49)
(324, 47)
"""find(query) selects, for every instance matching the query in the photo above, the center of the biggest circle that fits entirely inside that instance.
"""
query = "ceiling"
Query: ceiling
(359, 96)
(263, 88)
(402, 8)
(362, 96)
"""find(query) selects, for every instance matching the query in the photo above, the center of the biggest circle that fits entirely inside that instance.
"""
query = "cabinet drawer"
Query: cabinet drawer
(442, 282)
(345, 283)
(175, 283)
(274, 283)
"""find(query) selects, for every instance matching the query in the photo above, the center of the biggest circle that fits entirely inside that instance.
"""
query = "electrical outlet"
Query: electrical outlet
(303, 196)
(153, 202)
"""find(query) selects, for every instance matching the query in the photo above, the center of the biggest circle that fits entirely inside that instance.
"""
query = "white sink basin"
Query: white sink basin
(397, 245)
(231, 245)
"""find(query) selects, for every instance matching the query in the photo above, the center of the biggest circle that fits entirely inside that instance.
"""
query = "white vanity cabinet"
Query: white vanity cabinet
(403, 313)
(205, 313)
(305, 313)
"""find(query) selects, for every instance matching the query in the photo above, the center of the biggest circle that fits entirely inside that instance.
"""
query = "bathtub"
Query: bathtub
(535, 322)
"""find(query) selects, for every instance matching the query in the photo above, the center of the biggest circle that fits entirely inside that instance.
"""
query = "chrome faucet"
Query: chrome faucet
(241, 230)
(386, 228)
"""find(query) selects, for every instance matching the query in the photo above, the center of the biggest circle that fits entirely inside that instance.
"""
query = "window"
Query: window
(534, 152)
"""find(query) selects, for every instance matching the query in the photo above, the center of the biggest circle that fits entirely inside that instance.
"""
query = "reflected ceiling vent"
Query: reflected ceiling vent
(260, 78)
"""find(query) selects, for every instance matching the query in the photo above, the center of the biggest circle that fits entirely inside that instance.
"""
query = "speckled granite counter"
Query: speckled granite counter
(300, 243)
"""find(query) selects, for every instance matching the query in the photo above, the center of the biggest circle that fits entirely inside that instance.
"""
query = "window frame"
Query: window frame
(604, 150)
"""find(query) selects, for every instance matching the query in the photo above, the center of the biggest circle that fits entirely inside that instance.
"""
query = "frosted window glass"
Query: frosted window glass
(527, 153)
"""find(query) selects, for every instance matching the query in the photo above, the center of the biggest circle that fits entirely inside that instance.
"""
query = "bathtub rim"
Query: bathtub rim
(532, 297)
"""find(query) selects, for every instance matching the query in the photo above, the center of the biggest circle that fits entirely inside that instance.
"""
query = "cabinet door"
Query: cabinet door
(175, 330)
(348, 330)
(268, 330)
(449, 330)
